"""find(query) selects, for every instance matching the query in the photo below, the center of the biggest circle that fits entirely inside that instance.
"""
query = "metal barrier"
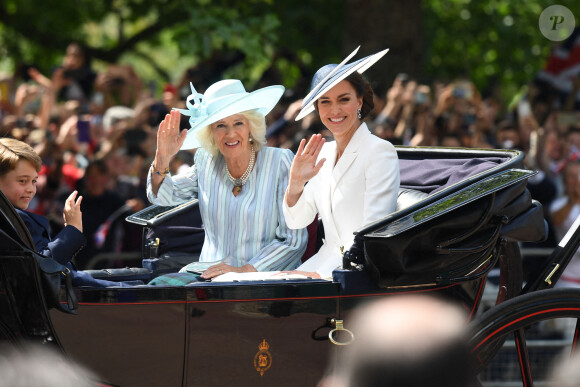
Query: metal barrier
(503, 371)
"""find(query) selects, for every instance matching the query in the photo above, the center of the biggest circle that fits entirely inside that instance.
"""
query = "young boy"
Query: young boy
(19, 167)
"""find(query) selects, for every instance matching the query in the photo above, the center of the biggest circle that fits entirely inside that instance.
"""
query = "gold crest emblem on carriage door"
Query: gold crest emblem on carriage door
(263, 359)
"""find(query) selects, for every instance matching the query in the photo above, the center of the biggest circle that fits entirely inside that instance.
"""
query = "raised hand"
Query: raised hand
(304, 167)
(169, 139)
(72, 212)
(39, 78)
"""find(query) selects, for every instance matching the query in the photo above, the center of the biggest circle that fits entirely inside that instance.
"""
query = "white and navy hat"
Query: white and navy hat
(328, 76)
(223, 99)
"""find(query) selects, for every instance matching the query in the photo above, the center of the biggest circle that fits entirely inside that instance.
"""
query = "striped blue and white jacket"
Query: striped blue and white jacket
(244, 229)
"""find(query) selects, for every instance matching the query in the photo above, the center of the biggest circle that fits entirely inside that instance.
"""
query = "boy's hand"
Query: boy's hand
(72, 212)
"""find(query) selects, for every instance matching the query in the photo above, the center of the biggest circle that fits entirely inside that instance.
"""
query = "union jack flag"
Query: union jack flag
(563, 64)
(101, 234)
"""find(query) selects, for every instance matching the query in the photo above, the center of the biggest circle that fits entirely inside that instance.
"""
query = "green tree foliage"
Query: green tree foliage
(493, 42)
(38, 32)
(237, 40)
(161, 38)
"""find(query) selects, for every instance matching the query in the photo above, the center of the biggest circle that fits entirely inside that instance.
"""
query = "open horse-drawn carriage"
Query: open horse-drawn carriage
(460, 213)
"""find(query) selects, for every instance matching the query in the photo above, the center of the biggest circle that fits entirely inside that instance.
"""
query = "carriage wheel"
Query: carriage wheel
(516, 316)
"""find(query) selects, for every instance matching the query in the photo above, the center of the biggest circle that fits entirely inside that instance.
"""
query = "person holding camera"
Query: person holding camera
(120, 86)
(78, 76)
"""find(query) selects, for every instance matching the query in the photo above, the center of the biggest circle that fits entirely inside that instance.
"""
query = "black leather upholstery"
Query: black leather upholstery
(122, 274)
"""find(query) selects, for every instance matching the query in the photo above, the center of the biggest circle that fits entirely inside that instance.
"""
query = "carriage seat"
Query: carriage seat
(407, 197)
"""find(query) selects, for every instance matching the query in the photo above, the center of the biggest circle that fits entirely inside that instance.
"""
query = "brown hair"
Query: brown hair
(12, 151)
(363, 89)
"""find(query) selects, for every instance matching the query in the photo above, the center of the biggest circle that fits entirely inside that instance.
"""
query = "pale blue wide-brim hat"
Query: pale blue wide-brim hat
(330, 75)
(223, 99)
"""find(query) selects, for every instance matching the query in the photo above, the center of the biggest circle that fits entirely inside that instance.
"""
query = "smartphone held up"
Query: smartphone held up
(84, 130)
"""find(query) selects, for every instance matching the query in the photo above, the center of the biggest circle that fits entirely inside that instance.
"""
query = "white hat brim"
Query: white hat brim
(360, 67)
(263, 100)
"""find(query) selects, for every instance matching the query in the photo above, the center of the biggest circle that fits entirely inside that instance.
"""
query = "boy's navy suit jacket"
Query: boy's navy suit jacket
(62, 248)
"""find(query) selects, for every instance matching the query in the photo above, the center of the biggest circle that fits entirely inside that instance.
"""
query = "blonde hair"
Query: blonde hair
(12, 151)
(257, 123)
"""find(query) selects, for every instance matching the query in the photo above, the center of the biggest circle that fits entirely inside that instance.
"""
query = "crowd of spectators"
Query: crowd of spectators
(96, 132)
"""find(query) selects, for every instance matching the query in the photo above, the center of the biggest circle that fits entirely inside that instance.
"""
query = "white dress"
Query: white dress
(361, 188)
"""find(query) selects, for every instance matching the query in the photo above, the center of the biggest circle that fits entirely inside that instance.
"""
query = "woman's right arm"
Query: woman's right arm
(162, 188)
(299, 205)
(169, 141)
(304, 167)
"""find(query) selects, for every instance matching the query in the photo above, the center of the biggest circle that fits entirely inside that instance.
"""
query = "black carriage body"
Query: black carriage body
(260, 334)
(247, 333)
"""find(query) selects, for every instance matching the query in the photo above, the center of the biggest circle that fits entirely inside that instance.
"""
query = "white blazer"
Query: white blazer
(361, 188)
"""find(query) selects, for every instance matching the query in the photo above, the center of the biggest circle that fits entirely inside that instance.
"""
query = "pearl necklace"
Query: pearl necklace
(239, 182)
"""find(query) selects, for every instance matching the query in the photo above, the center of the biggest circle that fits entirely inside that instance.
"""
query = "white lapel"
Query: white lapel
(350, 154)
(324, 189)
(329, 150)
